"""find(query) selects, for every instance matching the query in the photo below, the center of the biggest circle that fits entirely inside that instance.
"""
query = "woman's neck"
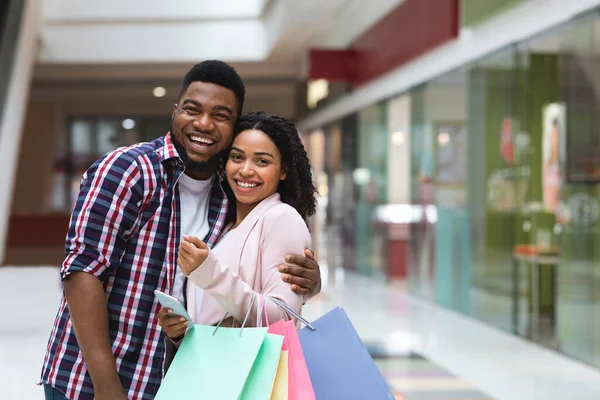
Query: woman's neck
(241, 212)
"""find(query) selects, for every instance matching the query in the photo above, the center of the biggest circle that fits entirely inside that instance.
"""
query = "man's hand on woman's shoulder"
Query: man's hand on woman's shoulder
(302, 272)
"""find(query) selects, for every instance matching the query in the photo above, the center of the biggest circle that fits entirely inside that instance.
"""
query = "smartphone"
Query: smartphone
(171, 302)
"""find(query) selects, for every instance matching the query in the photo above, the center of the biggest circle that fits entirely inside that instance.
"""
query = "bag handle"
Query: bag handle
(262, 309)
(292, 313)
(245, 318)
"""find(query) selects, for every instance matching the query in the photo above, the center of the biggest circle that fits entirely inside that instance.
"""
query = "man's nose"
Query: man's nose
(203, 122)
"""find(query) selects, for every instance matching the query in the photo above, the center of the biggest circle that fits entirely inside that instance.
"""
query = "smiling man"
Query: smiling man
(134, 206)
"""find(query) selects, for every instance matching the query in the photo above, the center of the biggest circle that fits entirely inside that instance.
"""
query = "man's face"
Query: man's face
(202, 127)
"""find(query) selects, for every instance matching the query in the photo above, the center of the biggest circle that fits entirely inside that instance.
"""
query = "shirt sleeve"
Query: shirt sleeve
(287, 233)
(104, 215)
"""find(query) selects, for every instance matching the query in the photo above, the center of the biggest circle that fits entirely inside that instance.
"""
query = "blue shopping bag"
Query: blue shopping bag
(338, 362)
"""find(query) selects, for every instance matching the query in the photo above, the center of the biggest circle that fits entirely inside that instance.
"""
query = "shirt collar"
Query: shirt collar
(169, 151)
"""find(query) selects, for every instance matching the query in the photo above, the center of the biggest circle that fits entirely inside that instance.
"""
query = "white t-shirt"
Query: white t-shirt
(194, 199)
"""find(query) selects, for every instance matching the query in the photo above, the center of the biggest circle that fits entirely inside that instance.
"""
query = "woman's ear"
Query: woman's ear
(283, 173)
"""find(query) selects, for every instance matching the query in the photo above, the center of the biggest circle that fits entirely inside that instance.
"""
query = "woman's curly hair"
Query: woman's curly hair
(298, 189)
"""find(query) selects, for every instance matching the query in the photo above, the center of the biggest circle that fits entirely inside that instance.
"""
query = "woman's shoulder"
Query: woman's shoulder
(284, 218)
(281, 210)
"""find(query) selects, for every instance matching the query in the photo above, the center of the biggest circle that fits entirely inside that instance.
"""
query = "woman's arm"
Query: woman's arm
(284, 232)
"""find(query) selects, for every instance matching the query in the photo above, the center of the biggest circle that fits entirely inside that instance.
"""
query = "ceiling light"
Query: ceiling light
(443, 139)
(159, 91)
(398, 138)
(128, 124)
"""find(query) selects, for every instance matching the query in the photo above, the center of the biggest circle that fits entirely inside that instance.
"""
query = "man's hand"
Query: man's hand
(303, 274)
(192, 253)
(174, 326)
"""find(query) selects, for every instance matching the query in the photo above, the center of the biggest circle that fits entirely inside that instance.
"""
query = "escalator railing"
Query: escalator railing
(11, 17)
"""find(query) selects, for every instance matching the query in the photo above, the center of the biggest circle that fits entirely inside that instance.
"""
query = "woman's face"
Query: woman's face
(254, 167)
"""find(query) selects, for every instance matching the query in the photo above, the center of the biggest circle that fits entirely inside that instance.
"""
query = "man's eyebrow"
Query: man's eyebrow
(194, 102)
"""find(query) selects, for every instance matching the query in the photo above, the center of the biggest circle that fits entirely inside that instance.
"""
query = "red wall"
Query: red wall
(43, 230)
(408, 31)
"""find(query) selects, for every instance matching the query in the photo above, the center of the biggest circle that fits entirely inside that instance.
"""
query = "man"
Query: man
(133, 208)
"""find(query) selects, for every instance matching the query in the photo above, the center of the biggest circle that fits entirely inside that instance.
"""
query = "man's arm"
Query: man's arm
(87, 307)
(106, 209)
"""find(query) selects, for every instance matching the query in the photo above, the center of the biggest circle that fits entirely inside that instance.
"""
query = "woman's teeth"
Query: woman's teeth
(247, 185)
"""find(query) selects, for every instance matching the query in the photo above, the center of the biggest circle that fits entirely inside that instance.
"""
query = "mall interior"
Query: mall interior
(455, 145)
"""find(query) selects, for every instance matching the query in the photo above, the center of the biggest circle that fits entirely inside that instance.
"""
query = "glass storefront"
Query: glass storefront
(495, 170)
(88, 139)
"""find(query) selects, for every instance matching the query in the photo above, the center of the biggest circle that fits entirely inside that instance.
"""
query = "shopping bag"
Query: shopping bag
(223, 363)
(212, 364)
(280, 385)
(259, 384)
(339, 364)
(299, 382)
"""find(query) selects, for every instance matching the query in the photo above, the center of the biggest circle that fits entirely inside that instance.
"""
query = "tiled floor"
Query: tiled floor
(415, 378)
(464, 359)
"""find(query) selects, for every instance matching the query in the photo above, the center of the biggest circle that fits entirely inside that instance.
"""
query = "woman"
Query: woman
(551, 170)
(271, 194)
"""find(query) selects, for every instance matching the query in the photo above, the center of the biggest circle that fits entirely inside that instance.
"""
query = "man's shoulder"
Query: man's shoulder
(150, 152)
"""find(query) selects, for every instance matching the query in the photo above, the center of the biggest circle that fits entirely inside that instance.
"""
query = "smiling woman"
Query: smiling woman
(267, 157)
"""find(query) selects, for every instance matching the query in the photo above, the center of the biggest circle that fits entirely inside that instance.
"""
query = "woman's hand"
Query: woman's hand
(192, 253)
(174, 326)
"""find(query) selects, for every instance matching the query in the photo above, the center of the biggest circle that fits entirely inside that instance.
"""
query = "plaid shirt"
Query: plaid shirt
(125, 230)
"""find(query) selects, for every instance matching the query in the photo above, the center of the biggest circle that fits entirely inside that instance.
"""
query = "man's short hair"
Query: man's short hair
(219, 73)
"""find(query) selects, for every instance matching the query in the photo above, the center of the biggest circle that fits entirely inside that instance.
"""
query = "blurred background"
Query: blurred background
(455, 144)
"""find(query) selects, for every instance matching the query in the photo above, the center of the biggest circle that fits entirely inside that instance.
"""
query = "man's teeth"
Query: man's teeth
(201, 140)
(247, 185)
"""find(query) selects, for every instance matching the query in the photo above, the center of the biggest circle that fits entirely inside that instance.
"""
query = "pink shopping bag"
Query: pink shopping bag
(299, 383)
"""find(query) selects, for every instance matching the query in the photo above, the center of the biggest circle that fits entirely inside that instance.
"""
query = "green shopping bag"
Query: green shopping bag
(262, 376)
(212, 364)
(223, 363)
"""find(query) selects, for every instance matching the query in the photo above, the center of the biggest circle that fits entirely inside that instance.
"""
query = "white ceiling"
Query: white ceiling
(92, 52)
(153, 39)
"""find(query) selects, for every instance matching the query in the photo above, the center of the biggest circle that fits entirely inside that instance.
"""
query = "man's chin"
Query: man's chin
(209, 165)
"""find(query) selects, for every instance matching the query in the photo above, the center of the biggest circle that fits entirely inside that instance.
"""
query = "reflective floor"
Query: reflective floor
(415, 378)
(425, 352)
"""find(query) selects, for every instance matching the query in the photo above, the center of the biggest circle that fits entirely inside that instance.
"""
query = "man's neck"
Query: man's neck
(199, 176)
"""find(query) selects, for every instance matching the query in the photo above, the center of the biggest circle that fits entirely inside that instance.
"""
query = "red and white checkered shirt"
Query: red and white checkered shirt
(125, 229)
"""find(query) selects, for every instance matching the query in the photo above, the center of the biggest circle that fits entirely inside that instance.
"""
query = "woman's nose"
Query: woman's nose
(247, 169)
